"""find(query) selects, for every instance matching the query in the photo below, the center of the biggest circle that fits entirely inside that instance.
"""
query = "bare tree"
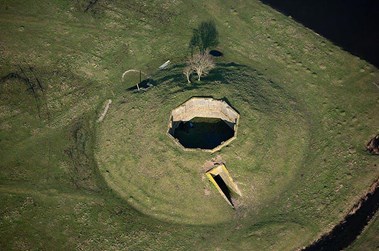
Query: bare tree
(187, 72)
(201, 63)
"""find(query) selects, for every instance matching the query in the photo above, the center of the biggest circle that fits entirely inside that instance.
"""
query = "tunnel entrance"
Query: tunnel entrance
(203, 123)
(204, 133)
(221, 179)
(224, 188)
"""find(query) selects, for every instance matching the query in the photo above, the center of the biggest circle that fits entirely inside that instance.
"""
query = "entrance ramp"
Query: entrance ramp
(219, 176)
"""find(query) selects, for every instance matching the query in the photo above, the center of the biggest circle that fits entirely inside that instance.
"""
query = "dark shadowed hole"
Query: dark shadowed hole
(203, 133)
(224, 188)
(216, 53)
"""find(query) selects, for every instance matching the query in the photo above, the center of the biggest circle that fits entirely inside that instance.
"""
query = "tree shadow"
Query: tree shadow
(174, 75)
(350, 24)
(223, 74)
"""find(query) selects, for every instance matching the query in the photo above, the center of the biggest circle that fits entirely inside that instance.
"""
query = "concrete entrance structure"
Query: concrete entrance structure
(221, 179)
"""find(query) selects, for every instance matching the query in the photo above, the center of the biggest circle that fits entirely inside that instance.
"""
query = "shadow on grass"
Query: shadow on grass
(244, 79)
(223, 73)
(350, 24)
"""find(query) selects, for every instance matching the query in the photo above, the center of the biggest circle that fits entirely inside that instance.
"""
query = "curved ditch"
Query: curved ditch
(345, 233)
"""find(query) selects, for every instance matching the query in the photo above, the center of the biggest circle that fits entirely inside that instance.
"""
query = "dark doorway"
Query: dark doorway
(350, 24)
(224, 188)
(204, 133)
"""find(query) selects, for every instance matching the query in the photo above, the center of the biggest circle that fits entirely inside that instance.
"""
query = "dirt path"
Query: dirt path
(106, 108)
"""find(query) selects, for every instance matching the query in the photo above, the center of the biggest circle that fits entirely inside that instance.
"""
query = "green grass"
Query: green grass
(369, 239)
(146, 167)
(307, 109)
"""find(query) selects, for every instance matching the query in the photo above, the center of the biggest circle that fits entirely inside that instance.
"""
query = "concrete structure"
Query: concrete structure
(221, 179)
(204, 108)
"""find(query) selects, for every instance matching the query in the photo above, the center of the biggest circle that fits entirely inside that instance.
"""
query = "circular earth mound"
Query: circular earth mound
(157, 177)
(203, 123)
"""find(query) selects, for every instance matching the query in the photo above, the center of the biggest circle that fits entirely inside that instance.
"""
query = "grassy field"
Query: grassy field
(66, 182)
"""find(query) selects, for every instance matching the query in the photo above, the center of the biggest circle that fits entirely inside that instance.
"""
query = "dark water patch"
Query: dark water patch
(216, 53)
(203, 133)
(351, 227)
(350, 24)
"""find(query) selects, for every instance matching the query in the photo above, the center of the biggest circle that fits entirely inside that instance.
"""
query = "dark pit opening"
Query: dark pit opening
(224, 188)
(216, 53)
(203, 133)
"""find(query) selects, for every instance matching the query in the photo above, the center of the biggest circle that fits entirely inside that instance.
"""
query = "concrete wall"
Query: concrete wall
(206, 108)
